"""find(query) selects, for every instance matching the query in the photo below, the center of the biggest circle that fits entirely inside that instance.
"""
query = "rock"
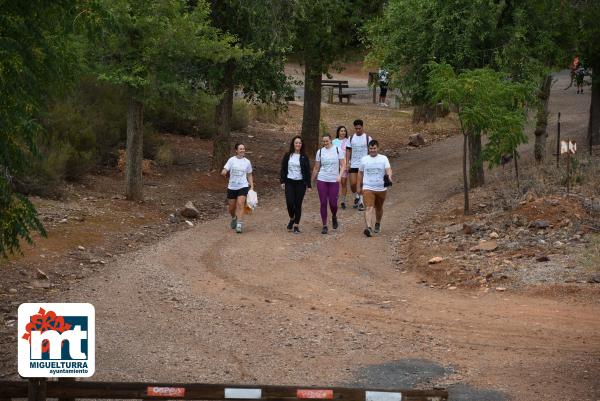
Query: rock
(12, 290)
(539, 224)
(189, 223)
(460, 247)
(558, 244)
(173, 219)
(453, 229)
(594, 279)
(416, 140)
(542, 258)
(190, 211)
(494, 235)
(452, 288)
(41, 284)
(62, 221)
(530, 197)
(41, 275)
(435, 260)
(501, 289)
(81, 248)
(486, 246)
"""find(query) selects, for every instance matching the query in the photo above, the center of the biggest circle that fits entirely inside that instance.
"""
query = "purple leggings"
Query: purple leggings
(328, 191)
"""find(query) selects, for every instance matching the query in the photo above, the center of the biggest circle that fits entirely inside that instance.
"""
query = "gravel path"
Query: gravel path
(207, 305)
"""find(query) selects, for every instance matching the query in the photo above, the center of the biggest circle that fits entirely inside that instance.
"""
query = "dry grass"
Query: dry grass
(590, 258)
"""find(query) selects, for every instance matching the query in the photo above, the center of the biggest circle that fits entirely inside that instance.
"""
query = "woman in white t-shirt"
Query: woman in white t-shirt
(239, 170)
(341, 140)
(329, 164)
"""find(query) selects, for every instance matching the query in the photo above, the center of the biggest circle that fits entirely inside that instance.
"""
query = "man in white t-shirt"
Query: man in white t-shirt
(356, 149)
(373, 186)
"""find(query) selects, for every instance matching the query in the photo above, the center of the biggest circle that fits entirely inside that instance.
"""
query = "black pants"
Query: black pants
(294, 195)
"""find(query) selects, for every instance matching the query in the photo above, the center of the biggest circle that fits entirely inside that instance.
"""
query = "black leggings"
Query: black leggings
(294, 195)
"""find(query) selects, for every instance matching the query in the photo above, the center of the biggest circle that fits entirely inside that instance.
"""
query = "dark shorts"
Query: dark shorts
(383, 90)
(354, 170)
(234, 193)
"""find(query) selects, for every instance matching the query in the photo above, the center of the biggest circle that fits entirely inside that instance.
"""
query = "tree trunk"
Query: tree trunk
(223, 113)
(135, 150)
(425, 113)
(476, 175)
(312, 106)
(541, 133)
(465, 178)
(594, 121)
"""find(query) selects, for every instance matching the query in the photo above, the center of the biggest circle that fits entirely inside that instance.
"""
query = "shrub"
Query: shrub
(164, 155)
(266, 113)
(241, 114)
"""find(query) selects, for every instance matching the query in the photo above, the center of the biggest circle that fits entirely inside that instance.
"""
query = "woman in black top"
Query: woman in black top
(295, 179)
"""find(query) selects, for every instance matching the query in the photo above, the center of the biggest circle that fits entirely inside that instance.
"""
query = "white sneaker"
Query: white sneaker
(238, 228)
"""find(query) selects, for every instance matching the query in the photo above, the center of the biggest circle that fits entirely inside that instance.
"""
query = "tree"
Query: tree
(588, 34)
(263, 36)
(326, 33)
(487, 102)
(36, 60)
(154, 49)
(520, 38)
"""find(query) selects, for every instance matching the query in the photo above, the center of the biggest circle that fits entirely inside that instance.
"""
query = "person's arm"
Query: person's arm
(348, 157)
(224, 172)
(250, 180)
(359, 182)
(315, 170)
(342, 168)
(388, 171)
(226, 168)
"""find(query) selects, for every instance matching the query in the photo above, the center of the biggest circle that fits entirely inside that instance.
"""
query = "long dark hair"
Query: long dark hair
(292, 151)
(337, 131)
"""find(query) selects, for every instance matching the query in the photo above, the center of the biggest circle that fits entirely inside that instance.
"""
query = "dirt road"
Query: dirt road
(207, 305)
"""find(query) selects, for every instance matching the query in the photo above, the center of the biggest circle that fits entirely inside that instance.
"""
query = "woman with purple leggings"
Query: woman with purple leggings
(329, 165)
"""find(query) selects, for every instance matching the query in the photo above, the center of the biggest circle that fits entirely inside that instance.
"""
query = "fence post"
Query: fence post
(66, 379)
(558, 142)
(36, 390)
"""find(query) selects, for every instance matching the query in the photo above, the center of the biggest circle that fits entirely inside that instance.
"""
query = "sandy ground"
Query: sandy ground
(208, 305)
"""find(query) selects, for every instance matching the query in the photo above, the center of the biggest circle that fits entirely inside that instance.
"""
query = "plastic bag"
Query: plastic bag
(252, 199)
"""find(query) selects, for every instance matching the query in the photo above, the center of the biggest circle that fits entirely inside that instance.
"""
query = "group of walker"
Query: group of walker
(355, 158)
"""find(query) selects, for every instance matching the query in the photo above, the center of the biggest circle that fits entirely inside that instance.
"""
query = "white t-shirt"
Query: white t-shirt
(373, 169)
(360, 148)
(330, 163)
(238, 168)
(294, 170)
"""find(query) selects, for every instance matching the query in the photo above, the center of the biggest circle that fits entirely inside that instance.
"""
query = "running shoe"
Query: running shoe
(324, 230)
(377, 228)
(361, 207)
(233, 224)
(296, 230)
(238, 228)
(368, 232)
(356, 200)
(290, 225)
(343, 205)
(334, 223)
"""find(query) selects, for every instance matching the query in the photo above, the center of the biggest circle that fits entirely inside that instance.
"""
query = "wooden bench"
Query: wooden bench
(339, 84)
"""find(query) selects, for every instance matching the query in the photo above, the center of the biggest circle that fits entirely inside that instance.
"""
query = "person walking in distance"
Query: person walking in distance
(383, 86)
(356, 149)
(375, 174)
(239, 170)
(341, 140)
(328, 169)
(295, 180)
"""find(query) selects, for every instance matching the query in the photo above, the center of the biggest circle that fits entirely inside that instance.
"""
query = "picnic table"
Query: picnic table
(340, 84)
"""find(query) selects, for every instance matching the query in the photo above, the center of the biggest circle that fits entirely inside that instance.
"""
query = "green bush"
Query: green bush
(164, 155)
(266, 113)
(241, 114)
